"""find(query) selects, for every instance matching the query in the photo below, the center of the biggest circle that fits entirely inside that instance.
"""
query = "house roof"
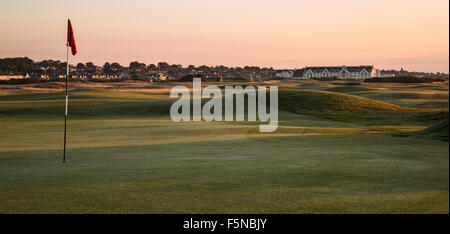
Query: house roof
(299, 72)
(279, 71)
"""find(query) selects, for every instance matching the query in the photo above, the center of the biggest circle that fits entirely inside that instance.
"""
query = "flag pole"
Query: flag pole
(67, 104)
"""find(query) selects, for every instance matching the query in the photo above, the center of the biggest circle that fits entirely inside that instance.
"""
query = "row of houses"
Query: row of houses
(157, 76)
(340, 72)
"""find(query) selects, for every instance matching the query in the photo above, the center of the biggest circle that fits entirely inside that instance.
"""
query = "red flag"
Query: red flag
(71, 38)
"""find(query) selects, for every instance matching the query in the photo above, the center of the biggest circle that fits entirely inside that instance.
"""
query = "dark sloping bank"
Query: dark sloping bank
(439, 127)
(405, 79)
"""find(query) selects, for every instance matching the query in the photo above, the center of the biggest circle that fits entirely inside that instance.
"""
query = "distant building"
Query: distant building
(8, 77)
(340, 72)
(391, 73)
(298, 74)
(284, 74)
(377, 73)
(157, 76)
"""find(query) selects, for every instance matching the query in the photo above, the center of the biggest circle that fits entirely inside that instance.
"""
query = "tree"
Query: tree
(62, 67)
(17, 65)
(137, 66)
(134, 65)
(90, 67)
(107, 69)
(116, 68)
(49, 64)
(163, 65)
(81, 66)
(151, 67)
(203, 68)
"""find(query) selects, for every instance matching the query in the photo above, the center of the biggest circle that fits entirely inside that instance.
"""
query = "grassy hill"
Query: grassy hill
(343, 107)
(437, 130)
(312, 100)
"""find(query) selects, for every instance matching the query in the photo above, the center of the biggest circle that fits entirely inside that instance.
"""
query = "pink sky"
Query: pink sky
(389, 34)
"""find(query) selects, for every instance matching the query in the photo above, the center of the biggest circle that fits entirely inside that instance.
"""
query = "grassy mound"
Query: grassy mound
(349, 89)
(438, 130)
(433, 117)
(331, 101)
(343, 107)
(438, 125)
(412, 95)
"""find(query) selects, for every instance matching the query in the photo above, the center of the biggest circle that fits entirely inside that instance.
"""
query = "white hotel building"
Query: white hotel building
(341, 72)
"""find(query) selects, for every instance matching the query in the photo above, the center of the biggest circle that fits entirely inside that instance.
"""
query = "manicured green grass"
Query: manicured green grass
(127, 156)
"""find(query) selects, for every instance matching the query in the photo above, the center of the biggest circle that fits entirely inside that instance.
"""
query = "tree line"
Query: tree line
(25, 65)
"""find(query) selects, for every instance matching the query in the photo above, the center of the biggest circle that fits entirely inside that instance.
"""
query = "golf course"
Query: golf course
(340, 147)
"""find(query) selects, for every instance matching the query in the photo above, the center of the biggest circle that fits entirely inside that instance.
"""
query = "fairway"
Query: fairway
(339, 148)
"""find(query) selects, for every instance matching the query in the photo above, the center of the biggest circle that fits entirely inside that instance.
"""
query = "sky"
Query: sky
(389, 34)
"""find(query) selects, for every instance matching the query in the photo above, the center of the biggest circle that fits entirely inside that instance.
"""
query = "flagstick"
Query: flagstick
(67, 104)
